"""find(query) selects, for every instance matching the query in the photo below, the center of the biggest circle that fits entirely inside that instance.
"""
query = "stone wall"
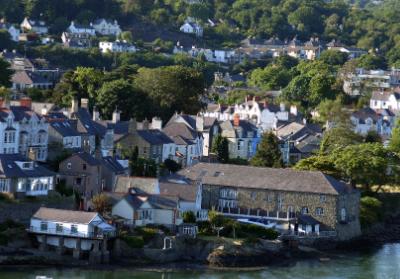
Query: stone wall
(350, 228)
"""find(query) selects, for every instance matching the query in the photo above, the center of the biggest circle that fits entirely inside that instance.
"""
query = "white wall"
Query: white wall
(123, 209)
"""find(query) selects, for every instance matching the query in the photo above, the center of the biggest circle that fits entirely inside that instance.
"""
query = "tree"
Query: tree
(371, 62)
(321, 163)
(189, 217)
(331, 112)
(100, 203)
(172, 166)
(339, 137)
(5, 40)
(268, 153)
(124, 96)
(220, 147)
(171, 89)
(370, 211)
(5, 73)
(126, 36)
(216, 220)
(394, 143)
(334, 57)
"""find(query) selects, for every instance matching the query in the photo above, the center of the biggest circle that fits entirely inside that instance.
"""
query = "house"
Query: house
(23, 131)
(207, 126)
(76, 40)
(279, 196)
(351, 51)
(367, 119)
(63, 132)
(14, 32)
(78, 231)
(298, 140)
(151, 143)
(139, 209)
(192, 27)
(22, 80)
(243, 137)
(91, 130)
(117, 46)
(188, 142)
(75, 28)
(107, 27)
(34, 25)
(22, 177)
(389, 99)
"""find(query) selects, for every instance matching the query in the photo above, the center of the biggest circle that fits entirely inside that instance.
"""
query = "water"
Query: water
(381, 264)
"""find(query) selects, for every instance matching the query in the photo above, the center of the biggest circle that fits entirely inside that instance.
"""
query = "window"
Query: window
(4, 186)
(322, 198)
(319, 211)
(9, 137)
(146, 215)
(253, 195)
(343, 215)
(59, 228)
(239, 145)
(27, 165)
(84, 166)
(249, 145)
(78, 181)
(43, 226)
(304, 210)
(69, 166)
(74, 229)
(280, 202)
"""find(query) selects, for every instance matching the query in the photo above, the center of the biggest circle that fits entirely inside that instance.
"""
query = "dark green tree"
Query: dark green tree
(220, 147)
(268, 153)
(5, 73)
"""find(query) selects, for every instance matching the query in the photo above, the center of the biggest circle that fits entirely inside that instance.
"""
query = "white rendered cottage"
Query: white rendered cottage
(106, 27)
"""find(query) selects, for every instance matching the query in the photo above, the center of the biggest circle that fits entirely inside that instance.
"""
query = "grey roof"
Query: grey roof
(64, 128)
(180, 130)
(156, 201)
(365, 113)
(154, 136)
(9, 168)
(265, 178)
(384, 95)
(146, 184)
(91, 127)
(86, 157)
(67, 216)
(28, 77)
(186, 192)
(297, 131)
(244, 125)
(112, 164)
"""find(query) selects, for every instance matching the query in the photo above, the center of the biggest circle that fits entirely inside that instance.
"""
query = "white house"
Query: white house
(385, 100)
(192, 27)
(33, 25)
(14, 32)
(23, 130)
(75, 28)
(107, 27)
(22, 177)
(117, 46)
(64, 132)
(367, 119)
(143, 209)
(78, 231)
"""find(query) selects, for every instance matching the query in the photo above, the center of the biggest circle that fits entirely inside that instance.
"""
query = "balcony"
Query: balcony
(68, 233)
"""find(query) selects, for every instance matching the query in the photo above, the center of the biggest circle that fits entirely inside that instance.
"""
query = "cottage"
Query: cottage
(106, 27)
(367, 119)
(72, 230)
(243, 137)
(279, 196)
(389, 99)
(76, 40)
(22, 177)
(34, 25)
(64, 133)
(75, 28)
(22, 80)
(192, 27)
(14, 32)
(117, 46)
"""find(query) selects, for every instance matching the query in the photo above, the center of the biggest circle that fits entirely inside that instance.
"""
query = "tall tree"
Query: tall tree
(220, 147)
(5, 73)
(394, 144)
(268, 153)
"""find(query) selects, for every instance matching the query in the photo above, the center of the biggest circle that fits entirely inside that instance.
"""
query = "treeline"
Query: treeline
(373, 27)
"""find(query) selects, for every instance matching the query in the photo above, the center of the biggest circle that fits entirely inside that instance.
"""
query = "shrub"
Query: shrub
(250, 230)
(205, 228)
(147, 233)
(62, 188)
(189, 217)
(134, 241)
(370, 211)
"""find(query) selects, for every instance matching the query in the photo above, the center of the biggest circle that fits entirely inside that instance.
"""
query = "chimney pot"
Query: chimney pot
(236, 120)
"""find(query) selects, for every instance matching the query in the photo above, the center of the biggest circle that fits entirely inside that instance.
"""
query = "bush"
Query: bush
(250, 230)
(10, 224)
(162, 228)
(147, 233)
(189, 217)
(205, 228)
(370, 211)
(62, 188)
(134, 241)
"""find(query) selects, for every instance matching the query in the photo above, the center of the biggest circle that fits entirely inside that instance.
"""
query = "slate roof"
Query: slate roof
(296, 131)
(265, 178)
(384, 95)
(245, 125)
(154, 136)
(365, 113)
(179, 131)
(64, 128)
(91, 127)
(86, 157)
(186, 192)
(145, 184)
(9, 169)
(28, 77)
(112, 164)
(67, 216)
(156, 201)
(19, 113)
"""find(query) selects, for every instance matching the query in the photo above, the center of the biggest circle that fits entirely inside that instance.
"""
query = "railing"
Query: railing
(69, 233)
(292, 234)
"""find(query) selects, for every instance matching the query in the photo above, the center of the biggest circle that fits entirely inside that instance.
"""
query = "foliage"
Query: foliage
(220, 147)
(370, 211)
(339, 137)
(394, 143)
(5, 73)
(215, 218)
(189, 217)
(333, 57)
(318, 163)
(371, 62)
(101, 203)
(133, 241)
(268, 153)
(172, 166)
(332, 112)
(143, 167)
(63, 189)
(146, 233)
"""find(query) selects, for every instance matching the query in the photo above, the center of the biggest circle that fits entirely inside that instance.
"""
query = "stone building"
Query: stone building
(280, 195)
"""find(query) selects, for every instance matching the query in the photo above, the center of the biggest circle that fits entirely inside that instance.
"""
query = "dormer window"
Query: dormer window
(27, 165)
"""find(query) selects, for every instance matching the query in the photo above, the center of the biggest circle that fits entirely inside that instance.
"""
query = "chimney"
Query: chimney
(199, 123)
(116, 116)
(145, 124)
(132, 126)
(85, 103)
(236, 120)
(44, 110)
(282, 107)
(74, 106)
(96, 114)
(31, 154)
(25, 102)
(293, 110)
(156, 123)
